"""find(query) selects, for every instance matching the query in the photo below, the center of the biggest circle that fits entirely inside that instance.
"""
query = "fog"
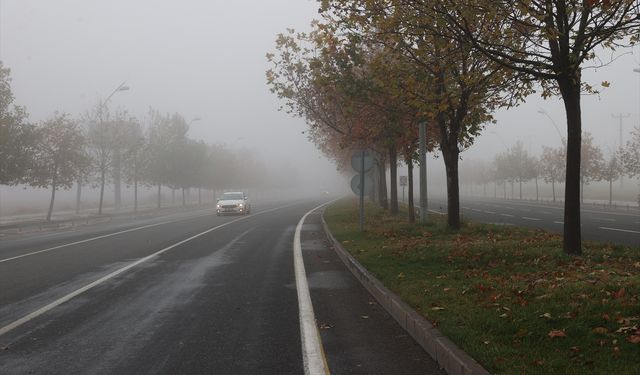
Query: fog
(206, 60)
(202, 59)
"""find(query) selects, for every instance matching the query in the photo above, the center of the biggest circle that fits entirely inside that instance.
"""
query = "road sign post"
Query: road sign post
(361, 161)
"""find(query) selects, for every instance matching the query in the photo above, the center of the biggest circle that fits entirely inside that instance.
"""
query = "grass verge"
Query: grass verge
(507, 296)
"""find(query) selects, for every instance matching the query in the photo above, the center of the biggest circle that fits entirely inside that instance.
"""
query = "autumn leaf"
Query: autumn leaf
(556, 333)
(437, 308)
(605, 84)
(619, 294)
(635, 339)
(600, 330)
(546, 316)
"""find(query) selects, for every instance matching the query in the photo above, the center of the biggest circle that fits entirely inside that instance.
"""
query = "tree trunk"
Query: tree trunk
(159, 196)
(393, 176)
(572, 240)
(537, 194)
(451, 155)
(101, 191)
(412, 210)
(520, 182)
(610, 191)
(504, 188)
(78, 194)
(553, 189)
(116, 179)
(53, 197)
(183, 201)
(135, 185)
(512, 189)
(383, 184)
(199, 196)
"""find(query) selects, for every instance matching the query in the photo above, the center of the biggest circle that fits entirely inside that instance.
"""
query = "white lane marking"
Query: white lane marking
(109, 235)
(312, 353)
(558, 222)
(85, 240)
(531, 218)
(509, 208)
(506, 215)
(436, 212)
(490, 212)
(546, 212)
(621, 230)
(113, 274)
(476, 210)
(603, 219)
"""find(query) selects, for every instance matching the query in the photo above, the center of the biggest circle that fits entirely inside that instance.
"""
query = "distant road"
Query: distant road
(190, 293)
(598, 223)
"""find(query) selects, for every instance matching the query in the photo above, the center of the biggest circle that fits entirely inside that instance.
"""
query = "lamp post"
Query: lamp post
(543, 112)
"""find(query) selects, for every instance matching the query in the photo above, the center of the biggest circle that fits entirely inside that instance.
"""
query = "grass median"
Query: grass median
(507, 296)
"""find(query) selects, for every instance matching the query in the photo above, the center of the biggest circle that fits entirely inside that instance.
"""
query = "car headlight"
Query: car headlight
(217, 206)
(240, 205)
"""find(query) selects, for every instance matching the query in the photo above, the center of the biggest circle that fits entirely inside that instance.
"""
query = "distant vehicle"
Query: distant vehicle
(233, 202)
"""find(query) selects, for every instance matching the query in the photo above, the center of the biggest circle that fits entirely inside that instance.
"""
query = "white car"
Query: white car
(233, 202)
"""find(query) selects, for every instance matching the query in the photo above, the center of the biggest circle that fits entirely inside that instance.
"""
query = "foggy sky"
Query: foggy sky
(207, 59)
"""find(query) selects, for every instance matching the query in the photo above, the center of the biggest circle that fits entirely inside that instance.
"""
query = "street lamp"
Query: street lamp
(543, 112)
(122, 87)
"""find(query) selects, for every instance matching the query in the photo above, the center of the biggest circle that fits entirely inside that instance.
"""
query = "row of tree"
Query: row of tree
(103, 147)
(370, 71)
(516, 165)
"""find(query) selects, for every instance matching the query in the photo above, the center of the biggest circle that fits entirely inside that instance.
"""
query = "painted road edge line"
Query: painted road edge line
(314, 360)
(115, 273)
(621, 230)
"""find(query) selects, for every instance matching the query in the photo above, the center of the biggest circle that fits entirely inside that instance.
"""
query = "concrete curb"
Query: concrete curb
(449, 357)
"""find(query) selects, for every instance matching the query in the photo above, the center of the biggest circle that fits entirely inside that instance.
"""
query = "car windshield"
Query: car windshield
(231, 196)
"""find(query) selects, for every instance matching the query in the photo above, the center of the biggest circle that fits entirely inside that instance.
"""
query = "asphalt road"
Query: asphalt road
(598, 223)
(190, 293)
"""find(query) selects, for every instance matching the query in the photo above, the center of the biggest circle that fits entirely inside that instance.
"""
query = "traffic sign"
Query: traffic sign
(368, 184)
(356, 161)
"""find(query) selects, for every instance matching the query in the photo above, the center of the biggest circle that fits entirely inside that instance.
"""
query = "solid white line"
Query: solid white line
(85, 240)
(113, 274)
(436, 212)
(603, 219)
(506, 215)
(531, 218)
(490, 212)
(312, 352)
(559, 222)
(621, 230)
(475, 209)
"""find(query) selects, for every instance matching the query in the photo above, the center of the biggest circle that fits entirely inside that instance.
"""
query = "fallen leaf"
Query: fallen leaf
(556, 333)
(504, 315)
(635, 339)
(619, 294)
(437, 308)
(364, 316)
(546, 316)
(600, 330)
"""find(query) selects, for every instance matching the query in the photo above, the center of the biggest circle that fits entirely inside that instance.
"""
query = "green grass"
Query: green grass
(500, 292)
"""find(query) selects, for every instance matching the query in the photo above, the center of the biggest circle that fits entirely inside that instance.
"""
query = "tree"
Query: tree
(454, 87)
(60, 155)
(591, 163)
(17, 137)
(134, 161)
(612, 170)
(166, 132)
(630, 156)
(552, 166)
(549, 42)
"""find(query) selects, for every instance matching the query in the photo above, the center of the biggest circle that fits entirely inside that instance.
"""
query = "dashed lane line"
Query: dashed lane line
(531, 218)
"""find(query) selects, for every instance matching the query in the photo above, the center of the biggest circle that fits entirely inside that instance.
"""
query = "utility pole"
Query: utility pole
(621, 117)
